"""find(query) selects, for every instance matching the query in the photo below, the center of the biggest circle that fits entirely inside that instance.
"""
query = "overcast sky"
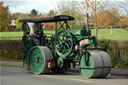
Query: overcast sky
(25, 6)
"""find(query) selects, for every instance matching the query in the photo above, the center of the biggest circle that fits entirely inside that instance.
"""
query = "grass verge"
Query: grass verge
(7, 59)
(123, 66)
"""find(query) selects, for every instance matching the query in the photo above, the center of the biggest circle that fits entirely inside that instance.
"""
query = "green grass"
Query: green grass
(17, 35)
(117, 34)
(10, 35)
(6, 59)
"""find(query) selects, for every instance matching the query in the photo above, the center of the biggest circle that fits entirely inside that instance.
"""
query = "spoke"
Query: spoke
(68, 38)
(66, 44)
(64, 49)
(59, 41)
(59, 46)
(64, 36)
(60, 49)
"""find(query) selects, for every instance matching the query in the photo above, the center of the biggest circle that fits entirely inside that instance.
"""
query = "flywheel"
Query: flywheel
(63, 43)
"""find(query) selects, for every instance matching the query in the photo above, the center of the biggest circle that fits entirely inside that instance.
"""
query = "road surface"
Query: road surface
(19, 76)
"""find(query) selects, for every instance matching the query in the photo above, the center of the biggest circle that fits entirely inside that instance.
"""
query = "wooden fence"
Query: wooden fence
(119, 55)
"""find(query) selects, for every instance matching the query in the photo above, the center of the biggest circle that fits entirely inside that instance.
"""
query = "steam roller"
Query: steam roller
(67, 48)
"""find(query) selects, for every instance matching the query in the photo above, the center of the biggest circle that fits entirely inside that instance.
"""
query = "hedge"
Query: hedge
(118, 50)
(10, 49)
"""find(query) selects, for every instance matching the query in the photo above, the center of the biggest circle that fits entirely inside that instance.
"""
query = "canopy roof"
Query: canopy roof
(49, 19)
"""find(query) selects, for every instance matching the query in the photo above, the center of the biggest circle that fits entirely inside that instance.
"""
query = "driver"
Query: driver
(34, 33)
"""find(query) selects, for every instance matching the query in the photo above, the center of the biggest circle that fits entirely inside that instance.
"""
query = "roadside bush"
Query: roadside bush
(118, 50)
(10, 49)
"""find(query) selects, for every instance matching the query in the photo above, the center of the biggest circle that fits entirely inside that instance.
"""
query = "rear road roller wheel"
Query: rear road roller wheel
(38, 59)
(99, 65)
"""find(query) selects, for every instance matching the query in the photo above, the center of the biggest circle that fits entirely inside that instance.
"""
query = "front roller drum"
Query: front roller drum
(95, 64)
(38, 59)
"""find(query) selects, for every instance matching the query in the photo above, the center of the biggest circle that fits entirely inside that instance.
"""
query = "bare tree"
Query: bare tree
(123, 5)
(71, 8)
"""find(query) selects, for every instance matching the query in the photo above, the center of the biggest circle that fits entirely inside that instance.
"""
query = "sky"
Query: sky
(25, 6)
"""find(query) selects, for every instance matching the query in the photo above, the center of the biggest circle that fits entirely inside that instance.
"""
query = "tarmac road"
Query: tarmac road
(19, 76)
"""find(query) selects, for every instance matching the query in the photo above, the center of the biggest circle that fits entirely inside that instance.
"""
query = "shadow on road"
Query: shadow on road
(67, 73)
